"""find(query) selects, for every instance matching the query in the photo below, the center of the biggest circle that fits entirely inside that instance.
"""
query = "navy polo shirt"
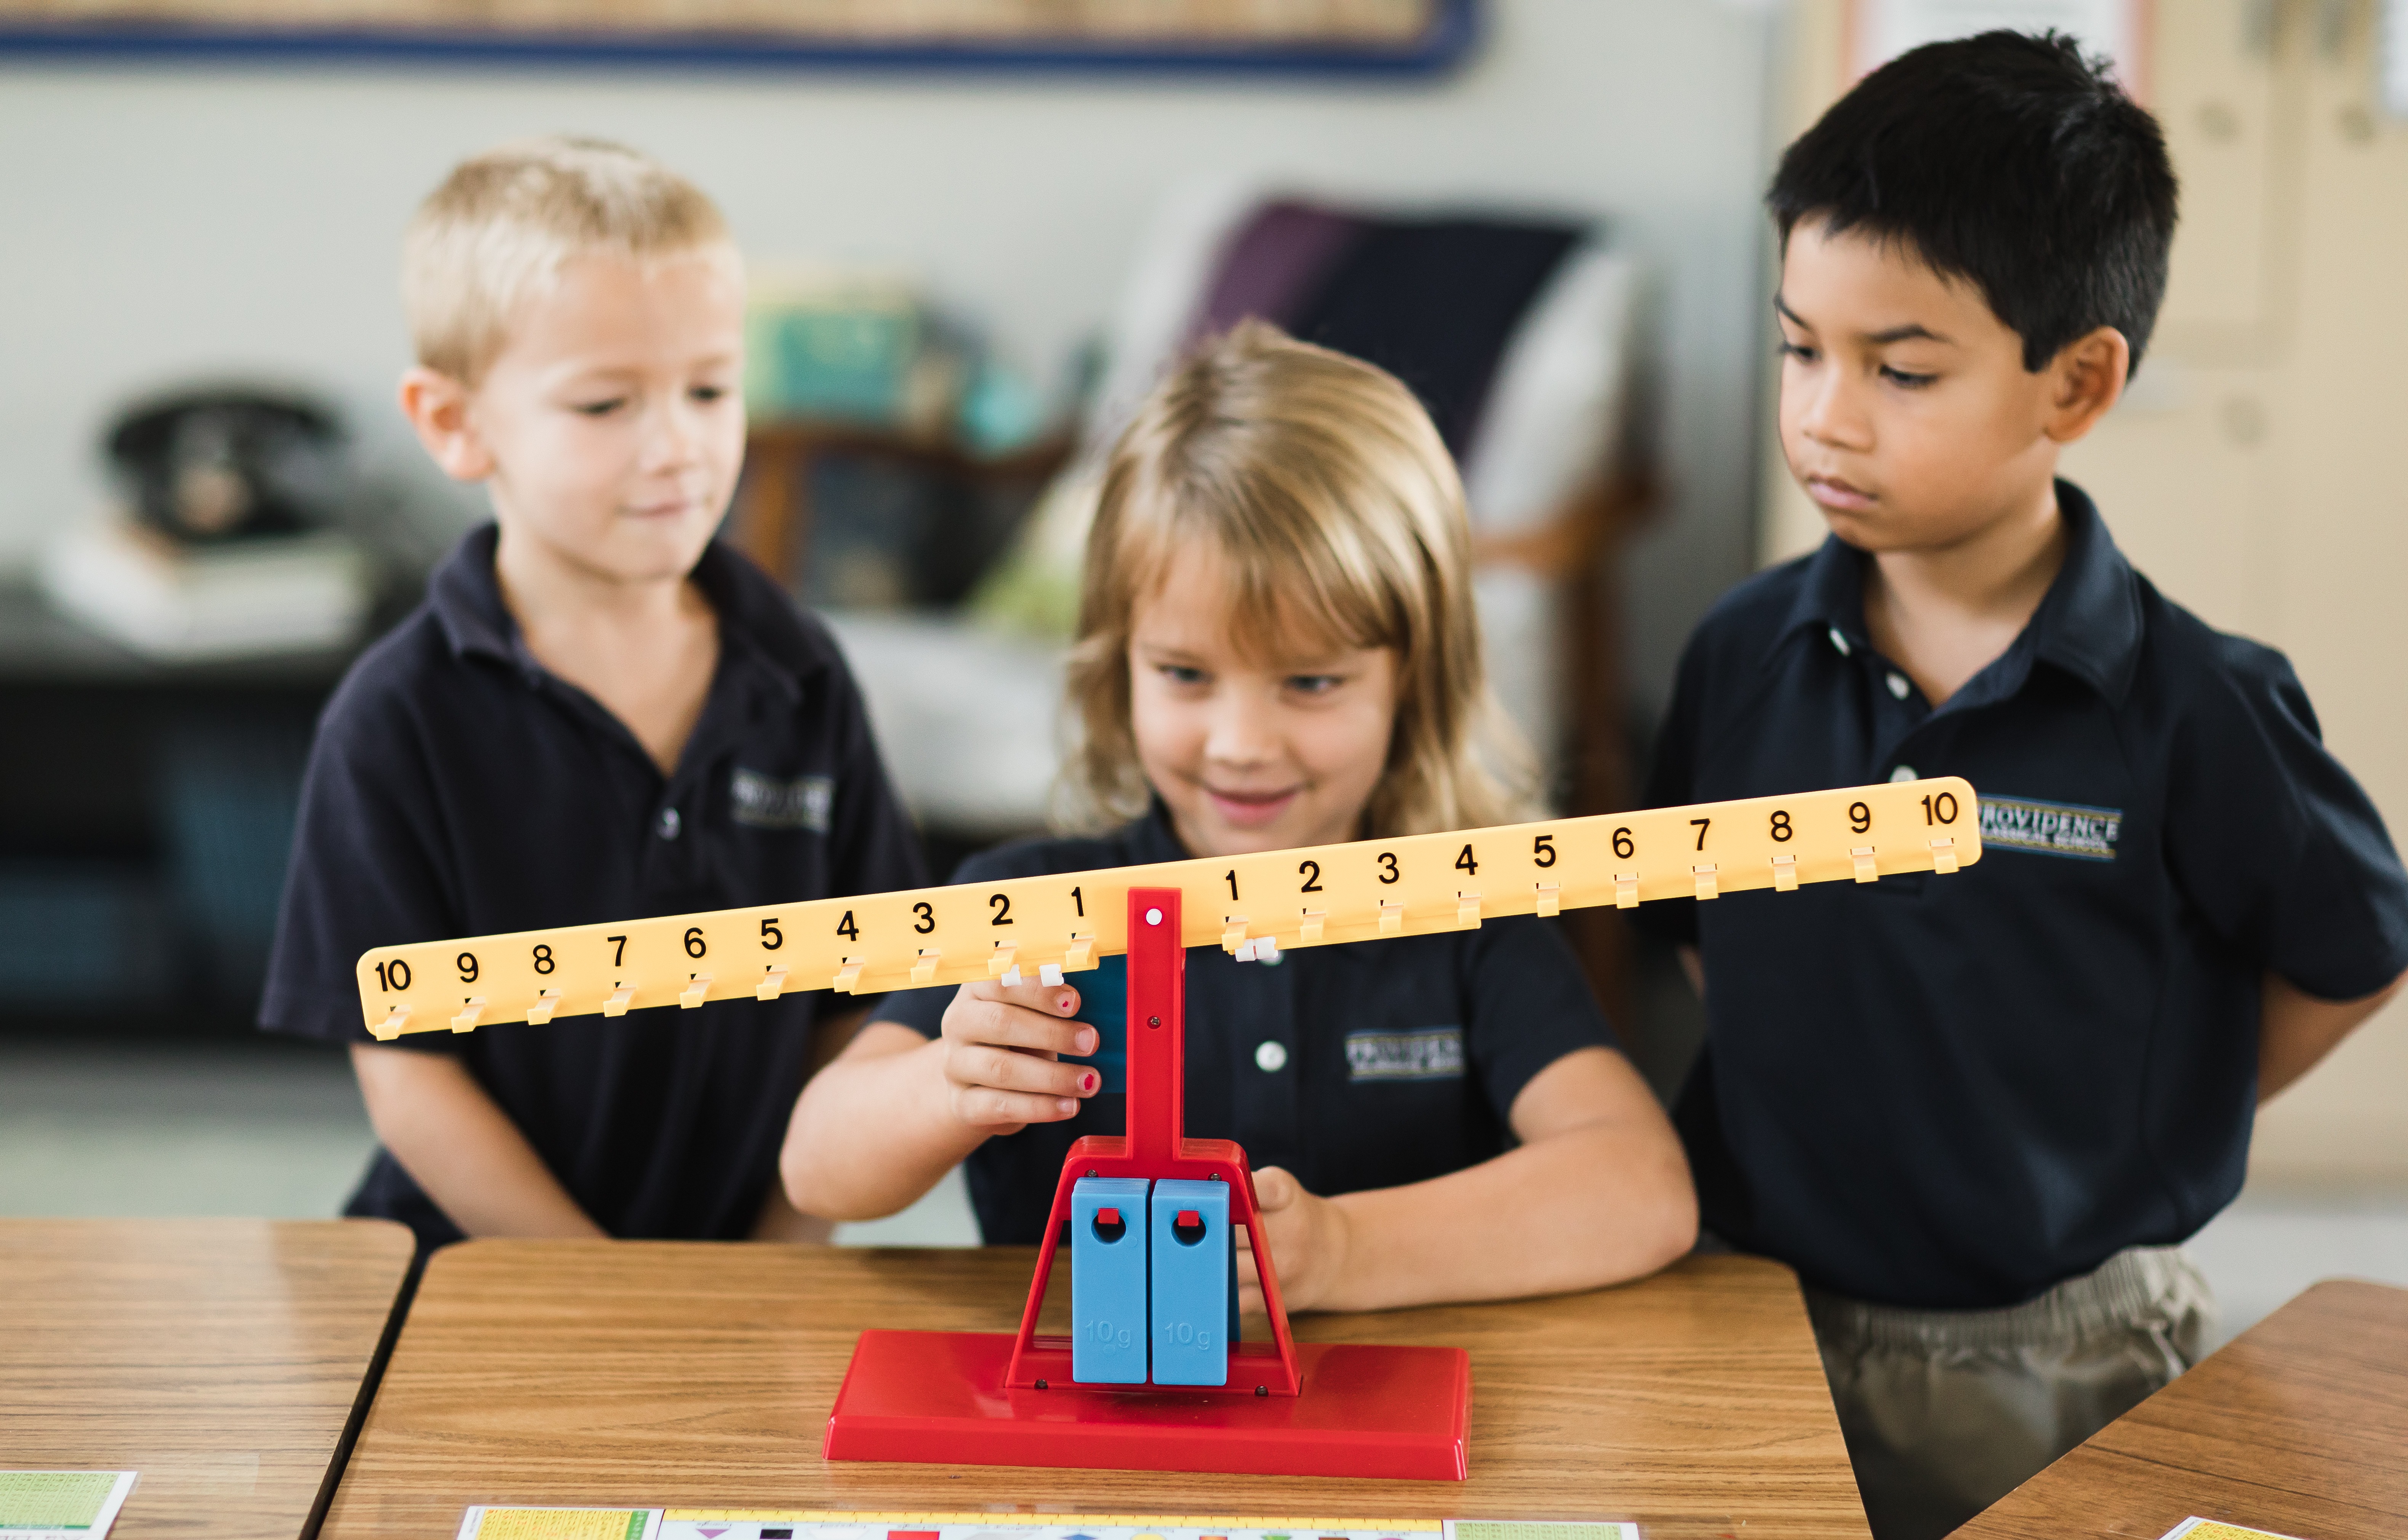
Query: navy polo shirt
(1368, 1064)
(457, 789)
(1957, 1091)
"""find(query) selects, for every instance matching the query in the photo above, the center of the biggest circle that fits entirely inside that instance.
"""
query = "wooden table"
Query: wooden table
(686, 1375)
(2299, 1425)
(225, 1360)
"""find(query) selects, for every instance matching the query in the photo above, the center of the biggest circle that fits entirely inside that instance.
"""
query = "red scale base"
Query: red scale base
(980, 1398)
(941, 1396)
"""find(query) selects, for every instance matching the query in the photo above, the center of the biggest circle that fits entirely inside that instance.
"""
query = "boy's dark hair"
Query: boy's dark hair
(2007, 160)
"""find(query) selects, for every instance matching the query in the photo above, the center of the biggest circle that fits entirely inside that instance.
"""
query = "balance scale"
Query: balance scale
(1151, 1214)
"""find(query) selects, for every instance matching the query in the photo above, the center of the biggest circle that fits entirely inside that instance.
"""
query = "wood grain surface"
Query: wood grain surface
(2300, 1426)
(690, 1374)
(219, 1357)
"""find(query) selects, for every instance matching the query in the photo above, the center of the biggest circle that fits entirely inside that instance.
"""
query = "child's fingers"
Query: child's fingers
(1031, 1017)
(1052, 999)
(1274, 1189)
(968, 1064)
(985, 1107)
(1250, 1280)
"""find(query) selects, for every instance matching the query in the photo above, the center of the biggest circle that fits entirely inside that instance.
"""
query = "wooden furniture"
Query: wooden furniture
(2296, 1426)
(771, 517)
(144, 827)
(226, 1360)
(570, 1372)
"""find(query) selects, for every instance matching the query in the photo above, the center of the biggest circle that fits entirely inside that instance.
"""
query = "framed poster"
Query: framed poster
(1880, 30)
(1340, 37)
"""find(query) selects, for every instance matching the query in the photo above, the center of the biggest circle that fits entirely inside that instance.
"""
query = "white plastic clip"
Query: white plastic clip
(1049, 975)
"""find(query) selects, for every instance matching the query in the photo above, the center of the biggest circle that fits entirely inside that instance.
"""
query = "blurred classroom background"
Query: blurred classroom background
(970, 248)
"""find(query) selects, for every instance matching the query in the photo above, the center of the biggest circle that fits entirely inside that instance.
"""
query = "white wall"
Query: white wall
(163, 221)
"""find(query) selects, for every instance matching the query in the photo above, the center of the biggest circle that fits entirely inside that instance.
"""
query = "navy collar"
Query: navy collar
(1153, 838)
(2089, 623)
(758, 625)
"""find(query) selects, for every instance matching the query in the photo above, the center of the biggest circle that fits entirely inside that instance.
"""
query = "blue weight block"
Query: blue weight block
(1108, 1245)
(1194, 1263)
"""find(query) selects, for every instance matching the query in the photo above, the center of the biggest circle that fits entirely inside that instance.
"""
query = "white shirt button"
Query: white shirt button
(1904, 772)
(1838, 641)
(1271, 1058)
(1898, 686)
(670, 823)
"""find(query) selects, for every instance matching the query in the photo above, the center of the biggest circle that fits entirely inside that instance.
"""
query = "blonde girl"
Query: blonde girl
(1277, 648)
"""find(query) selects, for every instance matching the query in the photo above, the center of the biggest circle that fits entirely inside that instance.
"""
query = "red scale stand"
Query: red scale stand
(997, 1398)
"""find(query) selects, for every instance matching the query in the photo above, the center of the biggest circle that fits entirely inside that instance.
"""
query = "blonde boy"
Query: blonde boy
(599, 712)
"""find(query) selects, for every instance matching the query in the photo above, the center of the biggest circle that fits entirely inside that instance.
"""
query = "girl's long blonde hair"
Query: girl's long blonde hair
(1325, 488)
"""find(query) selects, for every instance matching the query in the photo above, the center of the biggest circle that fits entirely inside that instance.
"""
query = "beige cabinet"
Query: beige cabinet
(2258, 470)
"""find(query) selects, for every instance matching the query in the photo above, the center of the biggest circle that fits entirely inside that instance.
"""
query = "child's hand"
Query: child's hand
(1308, 1238)
(1002, 1052)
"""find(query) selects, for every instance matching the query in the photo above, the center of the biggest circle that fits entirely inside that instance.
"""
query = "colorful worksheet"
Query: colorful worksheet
(505, 1523)
(2216, 1529)
(501, 1523)
(61, 1504)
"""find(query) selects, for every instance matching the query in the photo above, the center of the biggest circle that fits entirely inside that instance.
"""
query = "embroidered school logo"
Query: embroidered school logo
(2052, 828)
(1431, 1053)
(764, 801)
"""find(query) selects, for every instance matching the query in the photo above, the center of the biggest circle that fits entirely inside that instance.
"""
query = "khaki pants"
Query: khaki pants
(1947, 1411)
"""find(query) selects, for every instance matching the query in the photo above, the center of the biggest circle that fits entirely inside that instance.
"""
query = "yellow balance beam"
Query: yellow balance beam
(1036, 925)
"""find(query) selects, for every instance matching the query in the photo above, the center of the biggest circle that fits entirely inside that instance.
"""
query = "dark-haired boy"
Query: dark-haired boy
(1979, 1113)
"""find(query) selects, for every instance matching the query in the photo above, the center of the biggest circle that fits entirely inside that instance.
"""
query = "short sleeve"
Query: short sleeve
(1530, 1006)
(362, 875)
(2276, 844)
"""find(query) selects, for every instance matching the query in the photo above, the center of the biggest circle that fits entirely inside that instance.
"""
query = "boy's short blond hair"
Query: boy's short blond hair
(1325, 487)
(502, 225)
